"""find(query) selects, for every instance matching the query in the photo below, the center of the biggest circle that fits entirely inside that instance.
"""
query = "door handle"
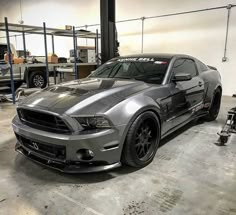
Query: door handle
(200, 83)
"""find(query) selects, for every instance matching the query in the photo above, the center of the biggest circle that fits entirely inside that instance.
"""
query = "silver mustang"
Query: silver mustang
(117, 115)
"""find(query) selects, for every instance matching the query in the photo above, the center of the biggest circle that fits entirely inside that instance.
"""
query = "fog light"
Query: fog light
(85, 154)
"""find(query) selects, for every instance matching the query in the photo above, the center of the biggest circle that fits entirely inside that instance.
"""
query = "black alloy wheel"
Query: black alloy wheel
(145, 136)
(215, 106)
(142, 140)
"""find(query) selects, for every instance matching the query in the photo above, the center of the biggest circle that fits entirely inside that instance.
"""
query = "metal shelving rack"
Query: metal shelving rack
(43, 30)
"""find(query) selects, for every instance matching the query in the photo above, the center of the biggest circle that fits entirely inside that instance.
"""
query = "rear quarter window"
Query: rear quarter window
(202, 66)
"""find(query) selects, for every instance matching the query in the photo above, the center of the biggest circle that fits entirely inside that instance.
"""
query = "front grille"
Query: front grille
(51, 151)
(43, 121)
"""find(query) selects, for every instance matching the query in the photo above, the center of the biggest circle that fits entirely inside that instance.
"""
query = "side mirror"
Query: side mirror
(182, 77)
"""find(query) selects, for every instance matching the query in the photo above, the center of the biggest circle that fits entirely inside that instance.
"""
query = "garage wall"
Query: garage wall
(56, 14)
(200, 34)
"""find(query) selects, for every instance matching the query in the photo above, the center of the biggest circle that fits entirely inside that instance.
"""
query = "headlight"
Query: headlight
(97, 122)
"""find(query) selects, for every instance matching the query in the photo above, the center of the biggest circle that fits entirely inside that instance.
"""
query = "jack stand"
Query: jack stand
(223, 139)
(229, 127)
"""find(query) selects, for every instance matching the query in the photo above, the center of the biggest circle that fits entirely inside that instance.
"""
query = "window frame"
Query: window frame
(184, 58)
(199, 63)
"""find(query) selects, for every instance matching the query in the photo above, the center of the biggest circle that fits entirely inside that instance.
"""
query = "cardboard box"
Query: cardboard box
(52, 58)
(18, 60)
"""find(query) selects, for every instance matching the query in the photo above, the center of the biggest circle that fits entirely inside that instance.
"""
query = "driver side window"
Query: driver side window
(184, 65)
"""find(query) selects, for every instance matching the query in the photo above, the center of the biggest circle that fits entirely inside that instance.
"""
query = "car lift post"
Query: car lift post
(10, 61)
(53, 46)
(108, 37)
(53, 52)
(46, 51)
(75, 53)
(97, 48)
(25, 60)
(24, 46)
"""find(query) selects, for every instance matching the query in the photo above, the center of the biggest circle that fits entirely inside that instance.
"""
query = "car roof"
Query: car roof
(155, 55)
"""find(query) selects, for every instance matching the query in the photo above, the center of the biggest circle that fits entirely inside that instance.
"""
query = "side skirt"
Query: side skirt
(183, 124)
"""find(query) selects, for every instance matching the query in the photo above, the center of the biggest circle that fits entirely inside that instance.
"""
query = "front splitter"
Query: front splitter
(63, 166)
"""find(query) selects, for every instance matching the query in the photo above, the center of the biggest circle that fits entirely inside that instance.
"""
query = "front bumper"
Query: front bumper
(105, 146)
(66, 167)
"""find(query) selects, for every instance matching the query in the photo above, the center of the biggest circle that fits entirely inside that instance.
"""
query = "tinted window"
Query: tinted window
(202, 66)
(153, 70)
(104, 70)
(185, 66)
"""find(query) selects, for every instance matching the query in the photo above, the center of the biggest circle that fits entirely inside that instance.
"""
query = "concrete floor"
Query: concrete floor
(189, 175)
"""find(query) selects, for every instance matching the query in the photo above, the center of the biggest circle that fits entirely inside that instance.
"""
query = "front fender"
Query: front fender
(124, 113)
(129, 109)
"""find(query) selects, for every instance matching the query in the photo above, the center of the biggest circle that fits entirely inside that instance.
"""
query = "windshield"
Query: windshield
(144, 69)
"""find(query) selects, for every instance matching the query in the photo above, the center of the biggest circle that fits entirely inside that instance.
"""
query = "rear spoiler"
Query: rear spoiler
(212, 67)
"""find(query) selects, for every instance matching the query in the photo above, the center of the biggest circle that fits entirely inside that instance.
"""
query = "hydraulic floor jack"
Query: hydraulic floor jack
(229, 127)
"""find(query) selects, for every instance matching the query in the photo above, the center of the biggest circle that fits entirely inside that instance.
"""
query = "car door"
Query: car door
(185, 95)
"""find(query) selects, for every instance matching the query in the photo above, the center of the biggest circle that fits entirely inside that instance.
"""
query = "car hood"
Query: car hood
(83, 97)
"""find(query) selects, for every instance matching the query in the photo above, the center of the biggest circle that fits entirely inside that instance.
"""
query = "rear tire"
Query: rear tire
(215, 106)
(142, 140)
(37, 79)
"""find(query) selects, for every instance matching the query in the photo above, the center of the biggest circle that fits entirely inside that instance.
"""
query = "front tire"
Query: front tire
(215, 106)
(142, 140)
(37, 79)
